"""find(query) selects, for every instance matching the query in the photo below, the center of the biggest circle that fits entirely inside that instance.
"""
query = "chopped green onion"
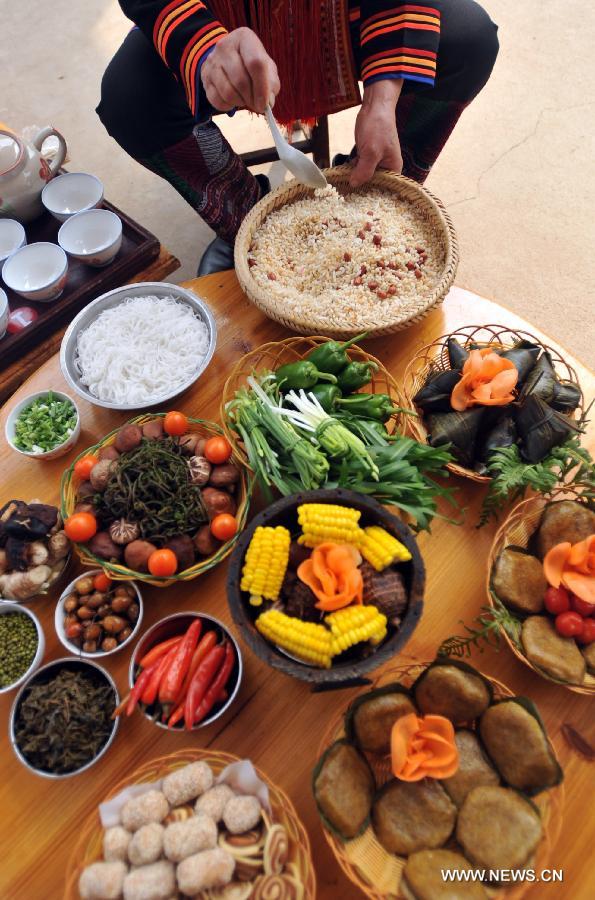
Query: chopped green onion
(44, 424)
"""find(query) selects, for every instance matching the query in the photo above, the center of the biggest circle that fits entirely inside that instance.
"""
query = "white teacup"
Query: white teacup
(37, 272)
(71, 193)
(12, 237)
(3, 312)
(94, 237)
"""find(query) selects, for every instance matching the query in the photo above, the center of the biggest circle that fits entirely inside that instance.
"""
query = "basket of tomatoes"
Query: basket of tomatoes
(160, 499)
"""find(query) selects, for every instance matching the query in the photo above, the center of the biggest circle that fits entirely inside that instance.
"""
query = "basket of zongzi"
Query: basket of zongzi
(541, 570)
(498, 398)
(437, 767)
(225, 830)
(159, 500)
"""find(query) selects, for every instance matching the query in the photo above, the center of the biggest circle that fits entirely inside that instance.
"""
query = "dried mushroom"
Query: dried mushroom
(124, 532)
(200, 469)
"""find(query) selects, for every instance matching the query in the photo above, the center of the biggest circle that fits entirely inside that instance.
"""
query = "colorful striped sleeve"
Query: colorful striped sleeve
(399, 40)
(184, 32)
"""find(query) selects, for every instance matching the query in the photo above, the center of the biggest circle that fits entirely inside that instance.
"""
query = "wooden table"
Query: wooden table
(276, 721)
(15, 374)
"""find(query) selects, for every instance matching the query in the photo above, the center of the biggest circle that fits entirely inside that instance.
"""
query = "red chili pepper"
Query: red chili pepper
(157, 652)
(207, 641)
(158, 670)
(140, 684)
(219, 682)
(202, 679)
(176, 671)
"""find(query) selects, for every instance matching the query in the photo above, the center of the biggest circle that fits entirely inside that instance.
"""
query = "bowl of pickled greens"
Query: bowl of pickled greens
(44, 425)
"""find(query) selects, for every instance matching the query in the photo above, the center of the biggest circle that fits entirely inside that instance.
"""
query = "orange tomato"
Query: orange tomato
(217, 450)
(175, 423)
(80, 527)
(162, 563)
(83, 466)
(102, 582)
(223, 527)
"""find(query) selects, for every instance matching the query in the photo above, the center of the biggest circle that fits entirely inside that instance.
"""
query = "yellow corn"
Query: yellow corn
(265, 563)
(354, 624)
(322, 522)
(308, 641)
(380, 548)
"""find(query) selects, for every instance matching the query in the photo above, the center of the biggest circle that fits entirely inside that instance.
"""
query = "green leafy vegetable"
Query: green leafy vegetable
(568, 464)
(44, 424)
(490, 622)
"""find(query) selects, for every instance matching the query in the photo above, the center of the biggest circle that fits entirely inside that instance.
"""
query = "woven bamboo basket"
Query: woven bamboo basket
(364, 860)
(271, 356)
(121, 572)
(518, 529)
(434, 356)
(411, 310)
(87, 848)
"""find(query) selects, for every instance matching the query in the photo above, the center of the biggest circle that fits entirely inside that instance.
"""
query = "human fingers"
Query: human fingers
(262, 71)
(367, 161)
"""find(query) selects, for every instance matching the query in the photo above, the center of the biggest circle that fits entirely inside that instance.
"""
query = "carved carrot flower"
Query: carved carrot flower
(423, 747)
(487, 380)
(573, 565)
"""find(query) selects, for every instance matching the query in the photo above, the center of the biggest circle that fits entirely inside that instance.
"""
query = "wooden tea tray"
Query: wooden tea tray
(84, 283)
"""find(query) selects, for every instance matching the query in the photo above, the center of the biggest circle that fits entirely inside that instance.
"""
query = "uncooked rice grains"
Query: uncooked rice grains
(353, 261)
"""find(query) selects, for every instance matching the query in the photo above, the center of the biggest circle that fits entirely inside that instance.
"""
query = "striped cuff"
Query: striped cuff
(184, 34)
(400, 43)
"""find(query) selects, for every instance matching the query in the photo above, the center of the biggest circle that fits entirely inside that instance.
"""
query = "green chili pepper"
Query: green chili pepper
(304, 374)
(370, 406)
(332, 356)
(356, 375)
(327, 395)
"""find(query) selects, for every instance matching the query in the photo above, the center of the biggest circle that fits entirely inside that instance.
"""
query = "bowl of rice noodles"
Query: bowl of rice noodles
(138, 346)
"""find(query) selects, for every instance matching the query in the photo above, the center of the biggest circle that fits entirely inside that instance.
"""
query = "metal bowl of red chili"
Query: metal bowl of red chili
(205, 665)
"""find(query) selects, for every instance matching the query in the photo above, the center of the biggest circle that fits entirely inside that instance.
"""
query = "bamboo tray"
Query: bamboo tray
(120, 572)
(411, 310)
(271, 356)
(518, 529)
(87, 848)
(375, 871)
(435, 356)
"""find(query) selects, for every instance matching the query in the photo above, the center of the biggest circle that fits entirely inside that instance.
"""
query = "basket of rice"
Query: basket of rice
(337, 261)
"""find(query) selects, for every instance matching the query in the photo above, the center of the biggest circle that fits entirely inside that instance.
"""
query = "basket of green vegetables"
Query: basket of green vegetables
(307, 413)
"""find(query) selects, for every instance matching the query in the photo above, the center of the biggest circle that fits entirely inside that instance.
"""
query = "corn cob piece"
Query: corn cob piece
(308, 641)
(265, 563)
(354, 624)
(380, 548)
(322, 522)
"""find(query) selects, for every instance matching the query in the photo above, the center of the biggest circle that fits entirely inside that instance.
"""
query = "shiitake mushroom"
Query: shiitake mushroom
(136, 555)
(217, 502)
(108, 452)
(128, 438)
(100, 474)
(204, 541)
(101, 545)
(184, 549)
(153, 430)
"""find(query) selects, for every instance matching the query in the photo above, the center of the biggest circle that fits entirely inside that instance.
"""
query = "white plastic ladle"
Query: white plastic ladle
(301, 166)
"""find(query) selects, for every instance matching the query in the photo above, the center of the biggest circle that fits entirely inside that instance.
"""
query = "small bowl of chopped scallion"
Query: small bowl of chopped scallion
(44, 425)
(22, 645)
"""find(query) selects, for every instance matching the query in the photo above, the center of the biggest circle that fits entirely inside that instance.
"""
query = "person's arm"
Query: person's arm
(398, 41)
(187, 35)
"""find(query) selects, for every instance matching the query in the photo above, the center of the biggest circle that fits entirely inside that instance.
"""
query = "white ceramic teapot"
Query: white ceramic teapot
(24, 173)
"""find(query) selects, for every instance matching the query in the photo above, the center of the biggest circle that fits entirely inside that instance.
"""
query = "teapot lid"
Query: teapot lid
(11, 152)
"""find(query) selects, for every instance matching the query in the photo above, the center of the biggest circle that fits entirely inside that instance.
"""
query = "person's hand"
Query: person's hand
(376, 138)
(239, 72)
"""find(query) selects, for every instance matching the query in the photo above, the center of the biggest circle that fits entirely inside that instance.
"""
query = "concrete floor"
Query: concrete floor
(517, 174)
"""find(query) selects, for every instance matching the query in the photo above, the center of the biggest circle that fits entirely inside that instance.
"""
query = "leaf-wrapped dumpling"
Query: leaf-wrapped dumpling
(344, 788)
(452, 689)
(371, 716)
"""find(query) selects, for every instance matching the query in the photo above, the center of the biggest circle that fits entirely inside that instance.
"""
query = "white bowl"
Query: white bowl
(61, 449)
(94, 237)
(71, 193)
(59, 619)
(12, 237)
(37, 272)
(7, 607)
(4, 311)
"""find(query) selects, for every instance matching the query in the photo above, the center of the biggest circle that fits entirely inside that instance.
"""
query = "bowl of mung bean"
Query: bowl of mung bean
(22, 645)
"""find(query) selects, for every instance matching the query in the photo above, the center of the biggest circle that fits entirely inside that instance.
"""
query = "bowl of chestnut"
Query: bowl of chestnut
(96, 616)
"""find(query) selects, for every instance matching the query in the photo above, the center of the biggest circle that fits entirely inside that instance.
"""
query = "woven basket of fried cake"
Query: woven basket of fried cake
(393, 833)
(193, 835)
(541, 570)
